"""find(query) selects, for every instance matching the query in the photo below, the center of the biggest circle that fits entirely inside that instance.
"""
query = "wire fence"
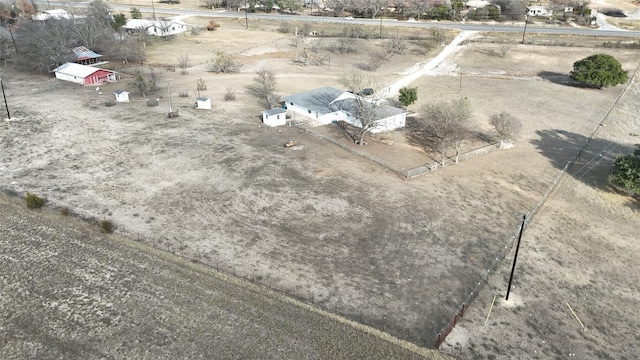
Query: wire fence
(407, 174)
(411, 173)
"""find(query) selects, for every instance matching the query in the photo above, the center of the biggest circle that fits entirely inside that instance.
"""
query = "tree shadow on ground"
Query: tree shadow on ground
(563, 79)
(489, 52)
(557, 78)
(587, 160)
(417, 135)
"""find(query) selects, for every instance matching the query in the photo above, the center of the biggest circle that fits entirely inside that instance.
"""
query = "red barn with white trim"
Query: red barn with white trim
(84, 75)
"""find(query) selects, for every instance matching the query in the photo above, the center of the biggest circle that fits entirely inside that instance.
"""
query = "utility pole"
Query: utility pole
(154, 10)
(526, 18)
(13, 40)
(246, 15)
(5, 98)
(380, 25)
(515, 257)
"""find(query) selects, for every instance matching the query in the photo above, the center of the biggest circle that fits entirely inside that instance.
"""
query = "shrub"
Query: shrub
(625, 172)
(224, 63)
(64, 211)
(213, 25)
(229, 95)
(110, 103)
(408, 95)
(285, 27)
(34, 201)
(106, 226)
(135, 13)
(599, 70)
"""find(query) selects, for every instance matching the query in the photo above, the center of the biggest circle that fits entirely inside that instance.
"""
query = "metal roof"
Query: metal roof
(82, 53)
(74, 69)
(275, 111)
(319, 99)
(326, 100)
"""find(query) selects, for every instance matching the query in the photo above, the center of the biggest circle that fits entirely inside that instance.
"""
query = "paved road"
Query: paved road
(376, 22)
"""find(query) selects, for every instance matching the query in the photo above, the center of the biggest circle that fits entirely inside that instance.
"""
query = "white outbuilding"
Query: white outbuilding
(203, 103)
(274, 117)
(121, 95)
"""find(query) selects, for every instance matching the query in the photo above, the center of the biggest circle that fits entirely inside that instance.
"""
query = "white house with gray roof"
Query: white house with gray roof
(160, 27)
(326, 105)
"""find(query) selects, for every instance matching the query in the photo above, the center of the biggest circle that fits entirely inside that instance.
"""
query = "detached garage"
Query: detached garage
(84, 75)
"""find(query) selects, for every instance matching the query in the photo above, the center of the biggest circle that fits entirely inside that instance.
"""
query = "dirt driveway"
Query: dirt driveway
(318, 222)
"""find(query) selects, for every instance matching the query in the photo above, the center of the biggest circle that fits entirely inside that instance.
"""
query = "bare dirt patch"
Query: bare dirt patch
(319, 223)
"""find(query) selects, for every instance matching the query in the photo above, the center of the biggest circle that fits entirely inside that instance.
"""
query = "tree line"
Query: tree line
(42, 45)
(417, 9)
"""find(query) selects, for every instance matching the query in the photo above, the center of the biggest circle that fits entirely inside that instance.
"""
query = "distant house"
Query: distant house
(121, 95)
(84, 75)
(85, 56)
(274, 117)
(537, 10)
(476, 4)
(203, 103)
(57, 14)
(161, 27)
(326, 105)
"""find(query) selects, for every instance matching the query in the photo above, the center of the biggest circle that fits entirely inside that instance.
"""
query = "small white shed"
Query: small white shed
(274, 117)
(121, 95)
(203, 103)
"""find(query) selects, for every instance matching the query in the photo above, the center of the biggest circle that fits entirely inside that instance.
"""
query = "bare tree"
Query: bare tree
(505, 125)
(201, 85)
(306, 29)
(146, 83)
(503, 49)
(374, 60)
(399, 45)
(44, 45)
(94, 29)
(447, 123)
(264, 88)
(315, 45)
(365, 106)
(438, 36)
(344, 46)
(183, 63)
(224, 63)
(127, 48)
(47, 44)
(375, 7)
(296, 41)
(143, 37)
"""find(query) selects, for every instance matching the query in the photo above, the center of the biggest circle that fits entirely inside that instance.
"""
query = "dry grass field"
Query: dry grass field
(69, 292)
(339, 231)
